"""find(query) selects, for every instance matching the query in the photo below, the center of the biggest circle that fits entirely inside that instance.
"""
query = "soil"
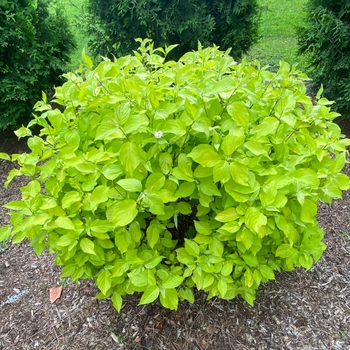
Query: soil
(299, 310)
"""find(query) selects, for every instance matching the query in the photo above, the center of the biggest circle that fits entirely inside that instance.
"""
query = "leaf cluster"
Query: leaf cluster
(325, 41)
(35, 44)
(114, 24)
(160, 176)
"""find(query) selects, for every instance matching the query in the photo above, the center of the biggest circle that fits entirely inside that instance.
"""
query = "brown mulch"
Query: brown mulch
(300, 310)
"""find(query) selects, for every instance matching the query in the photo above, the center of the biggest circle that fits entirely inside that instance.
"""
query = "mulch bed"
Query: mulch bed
(300, 310)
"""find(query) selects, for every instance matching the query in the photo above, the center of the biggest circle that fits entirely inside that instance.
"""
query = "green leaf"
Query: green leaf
(239, 113)
(255, 221)
(117, 301)
(122, 213)
(108, 130)
(4, 156)
(155, 181)
(205, 155)
(308, 211)
(191, 248)
(32, 189)
(227, 269)
(203, 227)
(68, 270)
(87, 246)
(209, 188)
(222, 287)
(101, 226)
(255, 147)
(153, 262)
(208, 281)
(186, 294)
(112, 171)
(5, 233)
(98, 195)
(240, 173)
(129, 157)
(185, 190)
(138, 277)
(103, 281)
(267, 272)
(305, 260)
(184, 208)
(249, 298)
(172, 281)
(250, 260)
(119, 268)
(64, 222)
(87, 60)
(246, 237)
(229, 214)
(155, 204)
(169, 298)
(150, 295)
(153, 232)
(123, 240)
(216, 247)
(130, 185)
(70, 198)
(221, 172)
(165, 162)
(16, 205)
(185, 164)
(65, 241)
(285, 251)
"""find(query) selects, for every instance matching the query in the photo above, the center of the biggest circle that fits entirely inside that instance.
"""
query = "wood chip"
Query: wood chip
(55, 293)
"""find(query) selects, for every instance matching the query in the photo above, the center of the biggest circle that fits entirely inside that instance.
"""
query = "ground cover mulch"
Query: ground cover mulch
(299, 310)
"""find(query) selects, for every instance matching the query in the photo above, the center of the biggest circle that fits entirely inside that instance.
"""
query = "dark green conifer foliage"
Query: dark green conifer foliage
(325, 40)
(35, 44)
(226, 23)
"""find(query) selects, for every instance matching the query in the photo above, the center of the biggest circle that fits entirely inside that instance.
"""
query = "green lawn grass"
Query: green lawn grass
(76, 14)
(277, 32)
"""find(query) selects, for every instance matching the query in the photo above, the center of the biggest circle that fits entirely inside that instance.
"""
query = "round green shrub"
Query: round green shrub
(324, 40)
(113, 25)
(35, 46)
(158, 176)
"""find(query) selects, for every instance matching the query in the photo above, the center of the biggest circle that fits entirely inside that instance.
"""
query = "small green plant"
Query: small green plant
(4, 245)
(346, 234)
(64, 282)
(159, 176)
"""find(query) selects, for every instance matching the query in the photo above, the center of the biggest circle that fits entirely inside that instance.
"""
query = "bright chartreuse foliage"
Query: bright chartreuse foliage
(161, 176)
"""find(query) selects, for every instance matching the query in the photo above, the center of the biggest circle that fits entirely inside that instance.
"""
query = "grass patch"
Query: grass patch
(76, 13)
(277, 32)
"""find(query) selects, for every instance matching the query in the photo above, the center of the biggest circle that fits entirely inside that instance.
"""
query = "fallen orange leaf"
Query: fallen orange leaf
(55, 293)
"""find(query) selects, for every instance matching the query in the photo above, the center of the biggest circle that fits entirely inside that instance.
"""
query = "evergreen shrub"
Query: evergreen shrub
(35, 44)
(160, 176)
(325, 41)
(229, 24)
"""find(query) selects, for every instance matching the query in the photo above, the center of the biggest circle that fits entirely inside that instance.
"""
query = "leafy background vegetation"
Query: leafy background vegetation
(35, 45)
(277, 32)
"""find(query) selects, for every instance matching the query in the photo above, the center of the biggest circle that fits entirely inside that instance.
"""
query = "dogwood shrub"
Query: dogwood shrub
(159, 176)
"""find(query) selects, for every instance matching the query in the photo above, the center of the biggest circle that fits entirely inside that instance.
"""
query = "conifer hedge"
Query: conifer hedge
(225, 23)
(35, 44)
